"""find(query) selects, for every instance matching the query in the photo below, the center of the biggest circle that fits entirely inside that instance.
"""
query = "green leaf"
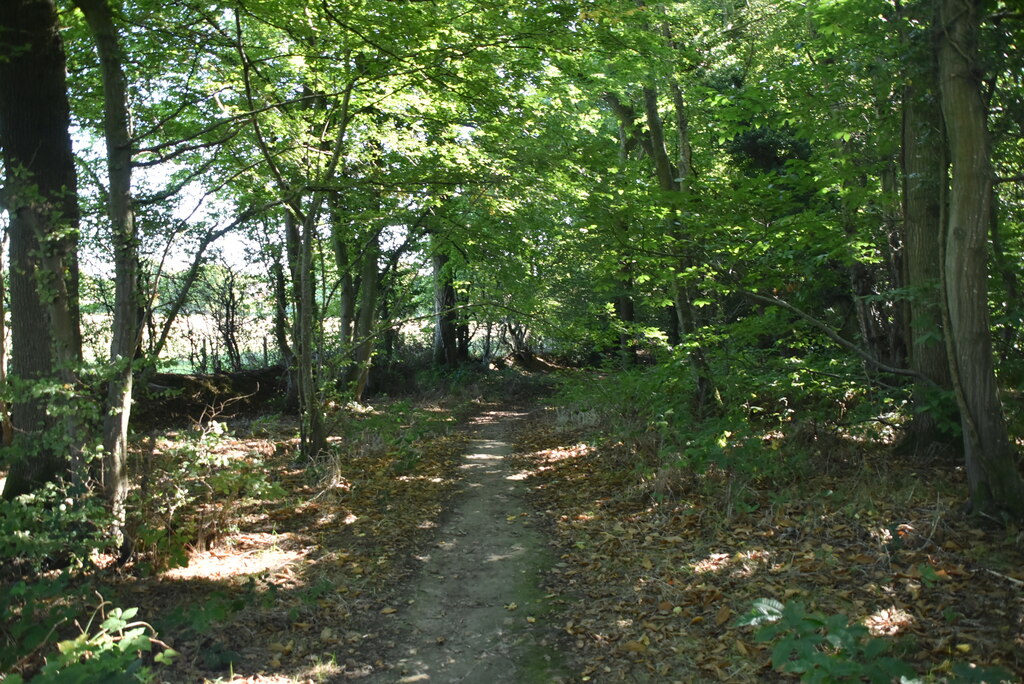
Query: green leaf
(166, 657)
(762, 611)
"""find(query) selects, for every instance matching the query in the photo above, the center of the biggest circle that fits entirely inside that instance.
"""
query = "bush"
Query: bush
(112, 653)
(829, 648)
(46, 538)
(47, 541)
(190, 494)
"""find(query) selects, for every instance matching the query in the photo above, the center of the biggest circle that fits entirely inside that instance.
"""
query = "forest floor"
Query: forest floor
(513, 547)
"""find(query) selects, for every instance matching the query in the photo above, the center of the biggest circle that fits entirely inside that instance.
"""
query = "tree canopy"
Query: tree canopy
(730, 186)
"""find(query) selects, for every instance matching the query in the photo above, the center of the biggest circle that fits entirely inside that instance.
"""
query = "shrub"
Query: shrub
(829, 649)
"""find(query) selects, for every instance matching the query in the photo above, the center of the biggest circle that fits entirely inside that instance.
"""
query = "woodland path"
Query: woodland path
(475, 610)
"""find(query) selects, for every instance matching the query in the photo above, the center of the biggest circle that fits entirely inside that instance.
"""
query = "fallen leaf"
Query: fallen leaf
(634, 647)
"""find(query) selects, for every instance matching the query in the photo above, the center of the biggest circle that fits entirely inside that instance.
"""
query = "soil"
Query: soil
(475, 610)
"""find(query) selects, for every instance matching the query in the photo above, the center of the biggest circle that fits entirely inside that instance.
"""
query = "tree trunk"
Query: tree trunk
(5, 409)
(313, 435)
(124, 341)
(993, 478)
(705, 383)
(924, 180)
(281, 314)
(347, 303)
(625, 310)
(42, 205)
(368, 281)
(445, 351)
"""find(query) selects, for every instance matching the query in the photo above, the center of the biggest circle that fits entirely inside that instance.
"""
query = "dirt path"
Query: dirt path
(476, 612)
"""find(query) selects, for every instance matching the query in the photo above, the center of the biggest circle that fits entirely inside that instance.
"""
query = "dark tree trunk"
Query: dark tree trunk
(625, 310)
(347, 303)
(445, 339)
(707, 393)
(993, 478)
(125, 336)
(281, 314)
(5, 409)
(924, 181)
(364, 333)
(43, 210)
(313, 434)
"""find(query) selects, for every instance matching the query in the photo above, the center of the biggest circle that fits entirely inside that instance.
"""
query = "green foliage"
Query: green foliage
(191, 493)
(774, 412)
(47, 540)
(828, 649)
(113, 652)
(45, 537)
(397, 431)
(50, 526)
(822, 648)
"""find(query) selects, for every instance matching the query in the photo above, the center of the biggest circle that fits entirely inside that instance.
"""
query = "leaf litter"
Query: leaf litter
(296, 588)
(643, 585)
(650, 587)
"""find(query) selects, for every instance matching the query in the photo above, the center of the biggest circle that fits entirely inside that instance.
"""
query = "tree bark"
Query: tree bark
(124, 342)
(5, 409)
(993, 478)
(313, 435)
(445, 348)
(924, 180)
(625, 309)
(281, 314)
(363, 339)
(707, 393)
(347, 296)
(40, 189)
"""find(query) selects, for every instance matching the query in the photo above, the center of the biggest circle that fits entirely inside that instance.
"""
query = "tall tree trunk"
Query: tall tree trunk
(924, 178)
(347, 295)
(313, 435)
(281, 314)
(124, 341)
(43, 209)
(625, 310)
(707, 393)
(5, 409)
(445, 352)
(993, 478)
(368, 280)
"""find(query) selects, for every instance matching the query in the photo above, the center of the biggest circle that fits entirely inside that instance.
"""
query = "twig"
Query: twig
(935, 525)
(42, 644)
(1005, 577)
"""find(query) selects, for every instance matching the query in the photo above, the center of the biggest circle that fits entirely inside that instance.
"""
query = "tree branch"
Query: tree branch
(835, 337)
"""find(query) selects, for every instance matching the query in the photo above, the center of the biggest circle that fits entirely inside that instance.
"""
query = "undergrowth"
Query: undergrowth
(671, 524)
(778, 419)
